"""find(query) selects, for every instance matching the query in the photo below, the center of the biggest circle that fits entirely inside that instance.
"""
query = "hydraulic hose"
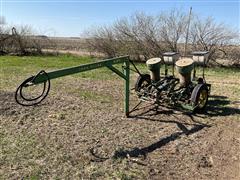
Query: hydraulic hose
(27, 101)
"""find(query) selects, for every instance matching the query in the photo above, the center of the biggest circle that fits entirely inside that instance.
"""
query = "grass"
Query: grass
(90, 95)
(14, 69)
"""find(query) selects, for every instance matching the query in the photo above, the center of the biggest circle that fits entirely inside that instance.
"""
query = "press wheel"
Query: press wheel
(199, 97)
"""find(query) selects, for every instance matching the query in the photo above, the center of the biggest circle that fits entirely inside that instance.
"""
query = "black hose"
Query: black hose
(30, 82)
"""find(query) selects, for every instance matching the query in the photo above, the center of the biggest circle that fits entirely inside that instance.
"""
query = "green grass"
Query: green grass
(14, 69)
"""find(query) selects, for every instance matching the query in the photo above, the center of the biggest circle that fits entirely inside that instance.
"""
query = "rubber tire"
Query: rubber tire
(195, 97)
(140, 80)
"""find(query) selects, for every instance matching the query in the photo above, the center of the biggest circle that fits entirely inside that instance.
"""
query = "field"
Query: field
(80, 132)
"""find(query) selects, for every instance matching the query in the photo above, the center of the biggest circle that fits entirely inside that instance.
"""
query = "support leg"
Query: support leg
(127, 81)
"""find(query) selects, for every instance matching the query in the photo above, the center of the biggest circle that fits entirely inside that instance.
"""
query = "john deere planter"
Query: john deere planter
(183, 90)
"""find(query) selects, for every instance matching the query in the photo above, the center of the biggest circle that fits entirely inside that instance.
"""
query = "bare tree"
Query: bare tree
(21, 39)
(173, 26)
(141, 33)
(232, 52)
(102, 39)
(144, 36)
(4, 34)
(129, 36)
(210, 36)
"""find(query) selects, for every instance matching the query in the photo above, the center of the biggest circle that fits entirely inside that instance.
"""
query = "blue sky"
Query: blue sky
(70, 18)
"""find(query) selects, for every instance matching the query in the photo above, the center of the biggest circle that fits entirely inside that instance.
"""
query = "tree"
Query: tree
(4, 34)
(102, 39)
(139, 35)
(173, 26)
(144, 36)
(206, 34)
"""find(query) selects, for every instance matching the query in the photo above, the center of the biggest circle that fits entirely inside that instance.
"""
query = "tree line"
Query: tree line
(20, 40)
(143, 36)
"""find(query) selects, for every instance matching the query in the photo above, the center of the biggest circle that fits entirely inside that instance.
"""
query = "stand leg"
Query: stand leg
(127, 81)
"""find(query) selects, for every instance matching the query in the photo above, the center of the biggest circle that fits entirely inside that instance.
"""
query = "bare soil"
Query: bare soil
(71, 136)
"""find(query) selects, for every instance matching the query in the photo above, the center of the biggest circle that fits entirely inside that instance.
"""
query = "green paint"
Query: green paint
(77, 69)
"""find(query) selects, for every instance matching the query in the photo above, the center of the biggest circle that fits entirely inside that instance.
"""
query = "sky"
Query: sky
(71, 18)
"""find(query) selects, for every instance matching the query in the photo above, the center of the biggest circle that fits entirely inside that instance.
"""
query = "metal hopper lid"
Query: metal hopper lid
(170, 53)
(153, 61)
(184, 62)
(200, 53)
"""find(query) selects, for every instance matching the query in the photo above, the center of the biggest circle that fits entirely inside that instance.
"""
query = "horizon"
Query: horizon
(71, 18)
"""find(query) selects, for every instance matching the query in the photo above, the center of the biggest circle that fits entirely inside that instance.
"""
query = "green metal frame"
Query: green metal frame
(41, 78)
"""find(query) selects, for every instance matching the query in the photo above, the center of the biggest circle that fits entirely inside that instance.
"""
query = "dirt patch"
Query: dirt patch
(74, 136)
